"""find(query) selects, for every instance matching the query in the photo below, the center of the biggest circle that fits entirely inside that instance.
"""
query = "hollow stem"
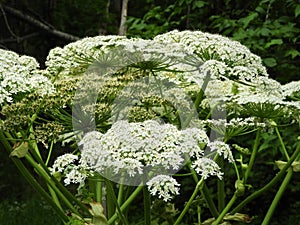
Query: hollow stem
(268, 186)
(147, 206)
(225, 210)
(188, 204)
(277, 197)
(253, 156)
(126, 203)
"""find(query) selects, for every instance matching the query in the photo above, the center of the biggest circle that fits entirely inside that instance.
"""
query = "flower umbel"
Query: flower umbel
(163, 186)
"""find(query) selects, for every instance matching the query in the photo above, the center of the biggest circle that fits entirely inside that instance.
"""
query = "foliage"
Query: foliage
(269, 28)
(175, 90)
(33, 210)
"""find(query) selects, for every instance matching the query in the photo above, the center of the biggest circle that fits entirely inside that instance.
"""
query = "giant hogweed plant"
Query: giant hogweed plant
(113, 123)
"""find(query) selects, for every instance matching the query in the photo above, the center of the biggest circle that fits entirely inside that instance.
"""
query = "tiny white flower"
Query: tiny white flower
(222, 149)
(206, 167)
(62, 162)
(163, 186)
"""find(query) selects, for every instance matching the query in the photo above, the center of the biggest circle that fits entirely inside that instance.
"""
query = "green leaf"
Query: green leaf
(270, 62)
(97, 212)
(293, 53)
(297, 11)
(246, 20)
(20, 151)
(295, 165)
(274, 42)
(265, 31)
(199, 4)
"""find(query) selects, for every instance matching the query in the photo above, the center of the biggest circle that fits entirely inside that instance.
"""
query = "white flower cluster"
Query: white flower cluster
(20, 75)
(207, 167)
(222, 149)
(163, 186)
(219, 54)
(292, 88)
(72, 173)
(192, 53)
(135, 146)
(68, 59)
(150, 147)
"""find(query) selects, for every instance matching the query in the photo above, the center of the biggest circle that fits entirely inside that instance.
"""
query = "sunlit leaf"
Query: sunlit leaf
(20, 150)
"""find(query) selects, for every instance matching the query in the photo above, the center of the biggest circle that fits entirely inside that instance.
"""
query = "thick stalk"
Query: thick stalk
(113, 199)
(198, 99)
(61, 187)
(211, 205)
(126, 203)
(99, 191)
(188, 204)
(253, 156)
(30, 179)
(221, 188)
(270, 184)
(51, 183)
(282, 143)
(277, 197)
(147, 206)
(204, 191)
(225, 210)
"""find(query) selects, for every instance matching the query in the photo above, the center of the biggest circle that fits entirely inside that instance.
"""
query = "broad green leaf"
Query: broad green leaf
(20, 151)
(274, 42)
(270, 62)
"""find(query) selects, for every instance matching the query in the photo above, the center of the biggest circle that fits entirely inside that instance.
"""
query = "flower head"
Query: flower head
(163, 186)
(206, 167)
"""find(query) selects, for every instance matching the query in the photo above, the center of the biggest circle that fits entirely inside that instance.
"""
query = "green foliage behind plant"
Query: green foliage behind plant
(270, 28)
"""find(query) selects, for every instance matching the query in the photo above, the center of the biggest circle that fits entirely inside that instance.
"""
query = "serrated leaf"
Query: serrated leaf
(20, 150)
(270, 62)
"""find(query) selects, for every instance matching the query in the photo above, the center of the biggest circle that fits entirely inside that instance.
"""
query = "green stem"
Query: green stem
(198, 99)
(113, 198)
(277, 197)
(121, 190)
(221, 188)
(54, 197)
(225, 210)
(31, 180)
(147, 206)
(188, 204)
(270, 184)
(98, 190)
(126, 204)
(253, 155)
(50, 152)
(282, 143)
(204, 192)
(211, 205)
(49, 181)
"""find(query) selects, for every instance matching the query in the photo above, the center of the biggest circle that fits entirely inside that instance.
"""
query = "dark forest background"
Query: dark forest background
(270, 28)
